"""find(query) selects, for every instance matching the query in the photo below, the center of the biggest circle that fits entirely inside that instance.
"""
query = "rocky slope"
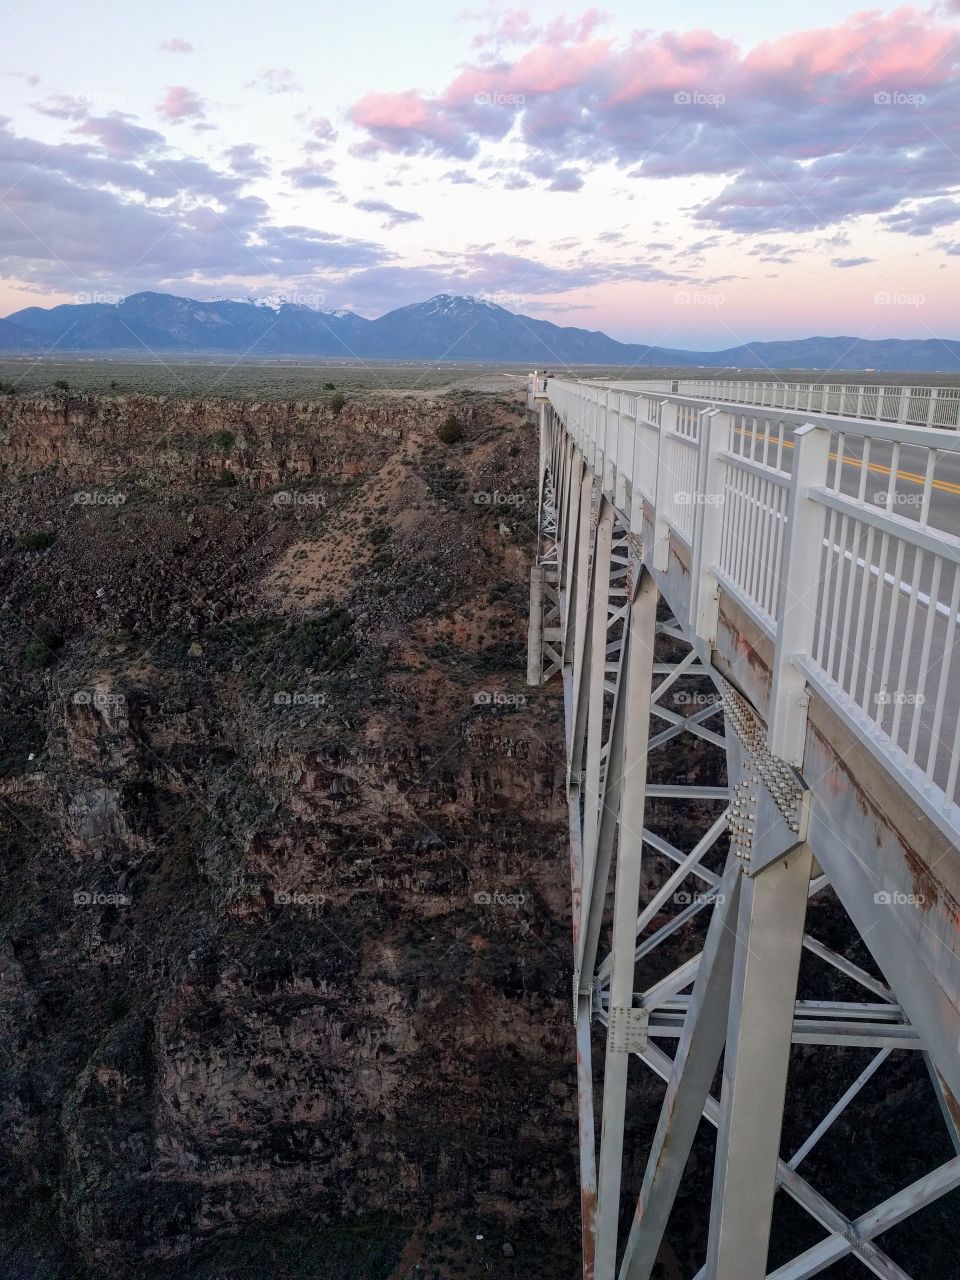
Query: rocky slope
(266, 741)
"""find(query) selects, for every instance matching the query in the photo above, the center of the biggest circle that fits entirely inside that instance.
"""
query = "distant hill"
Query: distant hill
(14, 338)
(446, 327)
(163, 322)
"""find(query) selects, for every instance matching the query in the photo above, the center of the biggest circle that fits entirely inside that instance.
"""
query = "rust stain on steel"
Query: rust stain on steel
(744, 649)
(681, 563)
(927, 889)
(953, 1106)
(588, 1190)
(588, 1211)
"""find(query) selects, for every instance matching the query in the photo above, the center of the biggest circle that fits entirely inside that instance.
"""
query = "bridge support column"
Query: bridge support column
(766, 964)
(639, 688)
(688, 1089)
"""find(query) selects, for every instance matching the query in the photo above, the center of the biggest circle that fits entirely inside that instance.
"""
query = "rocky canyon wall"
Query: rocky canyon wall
(284, 977)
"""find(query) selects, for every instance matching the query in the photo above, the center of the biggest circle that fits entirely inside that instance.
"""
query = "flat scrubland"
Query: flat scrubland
(279, 379)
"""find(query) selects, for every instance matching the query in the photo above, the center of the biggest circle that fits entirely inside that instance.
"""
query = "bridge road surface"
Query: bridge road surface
(943, 515)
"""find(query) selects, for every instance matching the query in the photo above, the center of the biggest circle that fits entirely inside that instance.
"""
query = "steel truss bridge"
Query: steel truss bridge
(770, 574)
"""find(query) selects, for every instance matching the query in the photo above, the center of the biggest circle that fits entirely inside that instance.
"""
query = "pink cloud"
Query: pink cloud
(176, 44)
(118, 135)
(515, 27)
(809, 130)
(180, 103)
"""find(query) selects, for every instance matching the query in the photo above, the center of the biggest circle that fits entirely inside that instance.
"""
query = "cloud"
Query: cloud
(181, 103)
(769, 251)
(118, 134)
(843, 263)
(566, 180)
(407, 122)
(63, 106)
(394, 216)
(77, 217)
(309, 177)
(245, 159)
(805, 131)
(515, 27)
(322, 134)
(275, 80)
(925, 218)
(176, 44)
(480, 271)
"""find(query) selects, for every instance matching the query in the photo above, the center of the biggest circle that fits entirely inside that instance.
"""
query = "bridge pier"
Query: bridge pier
(769, 929)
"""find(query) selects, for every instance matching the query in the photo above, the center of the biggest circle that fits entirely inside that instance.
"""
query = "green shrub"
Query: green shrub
(41, 650)
(226, 480)
(337, 401)
(325, 639)
(38, 540)
(62, 384)
(6, 388)
(329, 386)
(450, 430)
(223, 440)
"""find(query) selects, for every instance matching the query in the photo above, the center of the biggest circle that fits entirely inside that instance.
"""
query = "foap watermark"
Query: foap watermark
(97, 498)
(300, 698)
(698, 298)
(291, 498)
(684, 499)
(94, 898)
(695, 98)
(482, 498)
(509, 301)
(886, 298)
(495, 98)
(499, 898)
(684, 898)
(94, 698)
(313, 300)
(894, 898)
(296, 898)
(102, 299)
(898, 698)
(884, 499)
(497, 698)
(686, 698)
(897, 98)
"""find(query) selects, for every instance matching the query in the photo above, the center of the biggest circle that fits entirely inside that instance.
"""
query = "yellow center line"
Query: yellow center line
(945, 486)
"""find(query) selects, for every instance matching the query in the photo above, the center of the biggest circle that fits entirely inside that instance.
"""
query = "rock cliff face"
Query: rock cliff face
(283, 973)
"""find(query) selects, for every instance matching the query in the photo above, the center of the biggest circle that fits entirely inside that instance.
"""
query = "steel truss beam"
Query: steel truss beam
(594, 616)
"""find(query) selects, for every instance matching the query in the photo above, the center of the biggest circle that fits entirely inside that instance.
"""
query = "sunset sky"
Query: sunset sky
(682, 174)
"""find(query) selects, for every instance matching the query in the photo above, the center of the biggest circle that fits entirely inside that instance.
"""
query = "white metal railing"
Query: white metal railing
(914, 406)
(838, 538)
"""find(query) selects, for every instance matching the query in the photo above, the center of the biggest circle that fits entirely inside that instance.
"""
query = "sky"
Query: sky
(684, 174)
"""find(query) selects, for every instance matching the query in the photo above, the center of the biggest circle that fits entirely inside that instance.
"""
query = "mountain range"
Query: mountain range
(445, 327)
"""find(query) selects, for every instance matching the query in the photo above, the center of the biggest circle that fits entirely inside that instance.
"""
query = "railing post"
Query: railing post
(801, 578)
(611, 444)
(661, 529)
(715, 429)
